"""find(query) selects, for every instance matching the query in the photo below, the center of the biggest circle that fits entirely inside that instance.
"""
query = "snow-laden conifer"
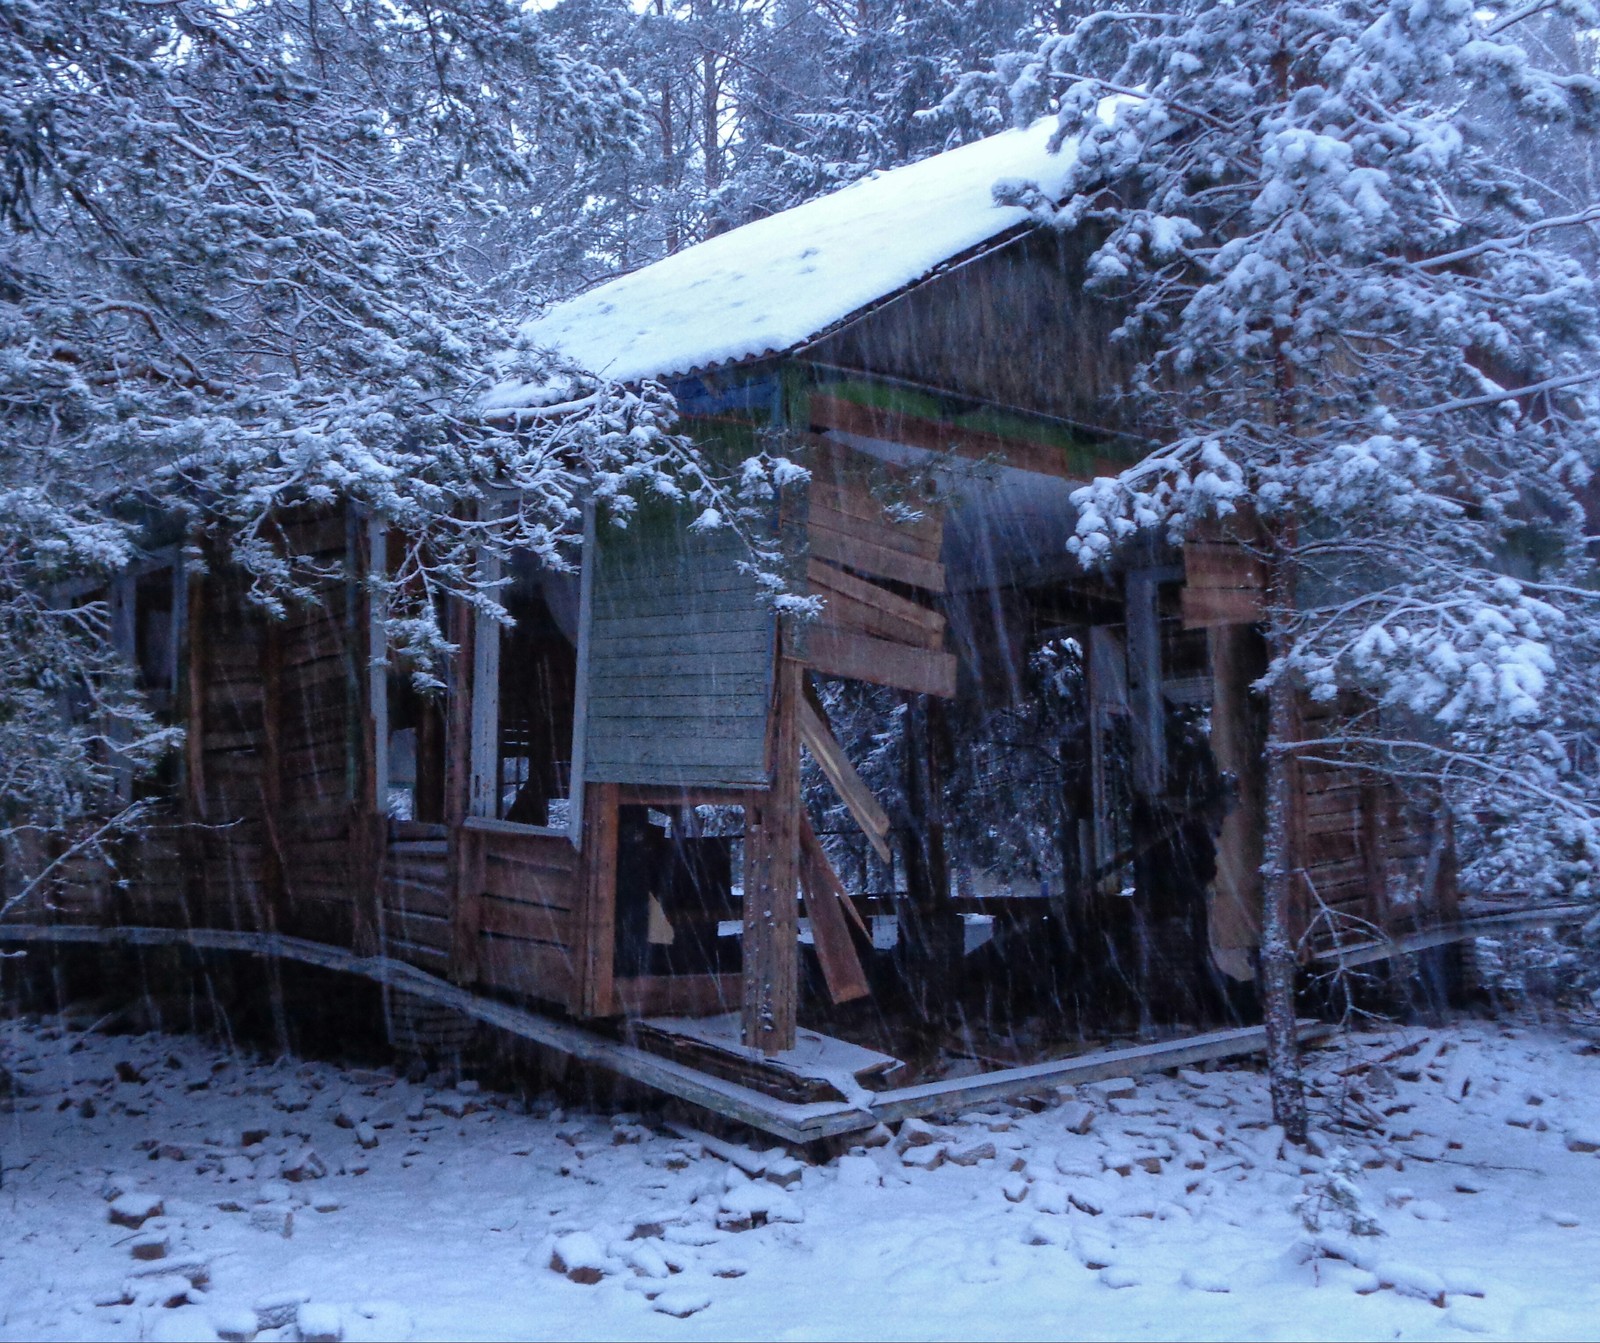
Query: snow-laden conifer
(235, 286)
(1368, 359)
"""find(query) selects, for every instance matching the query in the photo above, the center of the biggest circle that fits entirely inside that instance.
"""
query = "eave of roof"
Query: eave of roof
(781, 283)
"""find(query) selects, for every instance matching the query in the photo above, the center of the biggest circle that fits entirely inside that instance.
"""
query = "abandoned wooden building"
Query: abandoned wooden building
(602, 825)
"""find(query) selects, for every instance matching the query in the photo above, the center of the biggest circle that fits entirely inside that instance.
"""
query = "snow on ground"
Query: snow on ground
(154, 1188)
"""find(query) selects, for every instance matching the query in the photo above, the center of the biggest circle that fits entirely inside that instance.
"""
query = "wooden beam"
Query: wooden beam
(1045, 459)
(677, 995)
(903, 609)
(860, 657)
(790, 1121)
(466, 893)
(826, 902)
(1365, 953)
(857, 797)
(597, 909)
(1147, 710)
(1233, 913)
(771, 943)
(1206, 608)
(1108, 697)
(908, 1102)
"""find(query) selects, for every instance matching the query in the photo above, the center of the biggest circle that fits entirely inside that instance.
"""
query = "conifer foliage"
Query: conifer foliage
(1376, 362)
(232, 284)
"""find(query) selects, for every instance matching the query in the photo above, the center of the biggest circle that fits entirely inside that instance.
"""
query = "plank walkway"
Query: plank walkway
(1463, 930)
(790, 1122)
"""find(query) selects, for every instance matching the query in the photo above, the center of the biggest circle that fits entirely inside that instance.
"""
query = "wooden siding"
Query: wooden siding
(527, 888)
(1014, 328)
(274, 709)
(680, 658)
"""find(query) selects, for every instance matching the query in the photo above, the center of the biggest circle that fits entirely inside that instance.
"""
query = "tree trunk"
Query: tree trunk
(1278, 961)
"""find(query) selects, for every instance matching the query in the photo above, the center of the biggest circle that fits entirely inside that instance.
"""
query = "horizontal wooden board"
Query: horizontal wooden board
(859, 657)
(402, 896)
(855, 499)
(1211, 564)
(853, 603)
(1330, 874)
(623, 651)
(829, 412)
(742, 618)
(879, 531)
(532, 968)
(876, 561)
(525, 884)
(1205, 607)
(536, 923)
(1330, 846)
(746, 699)
(417, 929)
(412, 953)
(678, 995)
(679, 669)
(548, 852)
(655, 747)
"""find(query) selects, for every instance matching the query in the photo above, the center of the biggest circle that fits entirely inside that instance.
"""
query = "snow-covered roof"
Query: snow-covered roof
(774, 284)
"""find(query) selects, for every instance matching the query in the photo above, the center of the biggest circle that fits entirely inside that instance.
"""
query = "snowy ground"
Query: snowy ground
(302, 1200)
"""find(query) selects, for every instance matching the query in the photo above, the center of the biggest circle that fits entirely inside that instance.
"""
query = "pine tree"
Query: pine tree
(1375, 364)
(235, 280)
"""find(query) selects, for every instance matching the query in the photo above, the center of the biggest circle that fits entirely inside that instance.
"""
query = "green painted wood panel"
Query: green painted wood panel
(680, 658)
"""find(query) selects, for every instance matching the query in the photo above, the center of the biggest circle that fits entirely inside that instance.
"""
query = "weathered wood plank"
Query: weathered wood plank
(818, 738)
(771, 888)
(860, 657)
(621, 649)
(853, 603)
(727, 671)
(909, 1102)
(528, 885)
(1204, 608)
(1213, 564)
(828, 412)
(677, 995)
(534, 968)
(739, 617)
(826, 903)
(693, 707)
(875, 560)
(594, 990)
(879, 531)
(533, 923)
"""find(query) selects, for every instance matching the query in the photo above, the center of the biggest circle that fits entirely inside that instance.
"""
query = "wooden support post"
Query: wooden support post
(193, 690)
(368, 813)
(1108, 697)
(465, 884)
(1148, 716)
(273, 867)
(597, 911)
(930, 929)
(771, 904)
(1238, 658)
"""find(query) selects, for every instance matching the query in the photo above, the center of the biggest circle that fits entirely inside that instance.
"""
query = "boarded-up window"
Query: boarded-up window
(680, 657)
